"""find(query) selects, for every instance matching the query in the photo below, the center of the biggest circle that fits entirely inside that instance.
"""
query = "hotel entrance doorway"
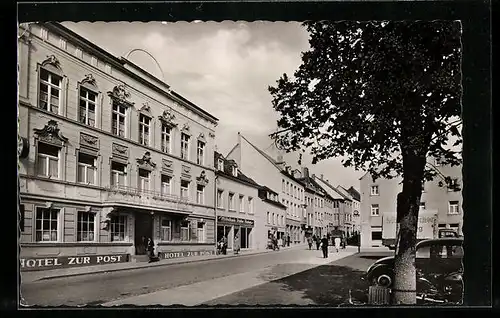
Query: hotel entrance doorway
(143, 230)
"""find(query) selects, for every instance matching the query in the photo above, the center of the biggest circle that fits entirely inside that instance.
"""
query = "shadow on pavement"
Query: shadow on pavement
(329, 285)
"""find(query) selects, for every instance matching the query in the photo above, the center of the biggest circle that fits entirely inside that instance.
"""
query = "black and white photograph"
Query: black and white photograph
(257, 163)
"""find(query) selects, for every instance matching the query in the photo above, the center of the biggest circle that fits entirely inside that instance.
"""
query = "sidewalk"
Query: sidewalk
(28, 277)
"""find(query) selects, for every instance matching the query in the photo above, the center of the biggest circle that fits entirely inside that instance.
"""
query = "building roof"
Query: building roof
(120, 63)
(354, 193)
(331, 190)
(227, 173)
(343, 192)
(271, 160)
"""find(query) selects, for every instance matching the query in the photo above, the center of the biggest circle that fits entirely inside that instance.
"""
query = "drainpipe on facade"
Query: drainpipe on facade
(215, 211)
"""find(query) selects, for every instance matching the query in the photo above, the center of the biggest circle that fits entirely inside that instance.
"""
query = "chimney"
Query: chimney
(321, 176)
(313, 176)
(327, 181)
(305, 172)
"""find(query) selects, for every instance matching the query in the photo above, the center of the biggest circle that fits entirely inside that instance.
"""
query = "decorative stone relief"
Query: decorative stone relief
(201, 137)
(89, 141)
(202, 178)
(119, 150)
(186, 172)
(211, 135)
(167, 165)
(186, 129)
(51, 134)
(146, 160)
(120, 94)
(168, 118)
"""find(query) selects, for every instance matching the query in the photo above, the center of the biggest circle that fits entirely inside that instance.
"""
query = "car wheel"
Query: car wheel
(382, 279)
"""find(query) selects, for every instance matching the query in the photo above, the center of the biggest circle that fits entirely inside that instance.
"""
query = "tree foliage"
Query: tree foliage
(372, 91)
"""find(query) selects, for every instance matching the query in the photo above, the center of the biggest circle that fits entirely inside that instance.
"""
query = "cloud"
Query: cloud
(225, 68)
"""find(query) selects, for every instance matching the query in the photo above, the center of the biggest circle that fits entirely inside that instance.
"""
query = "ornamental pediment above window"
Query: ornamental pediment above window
(89, 82)
(121, 95)
(51, 63)
(145, 161)
(186, 129)
(51, 134)
(146, 110)
(201, 137)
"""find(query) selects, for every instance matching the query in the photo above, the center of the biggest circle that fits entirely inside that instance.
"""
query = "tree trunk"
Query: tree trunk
(404, 287)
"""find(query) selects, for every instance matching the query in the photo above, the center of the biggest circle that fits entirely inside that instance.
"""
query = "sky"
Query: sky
(224, 68)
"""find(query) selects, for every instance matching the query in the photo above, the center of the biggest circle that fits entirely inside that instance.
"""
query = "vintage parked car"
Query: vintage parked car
(439, 270)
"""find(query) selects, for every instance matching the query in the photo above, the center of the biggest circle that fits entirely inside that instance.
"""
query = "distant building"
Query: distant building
(239, 214)
(380, 196)
(348, 210)
(319, 216)
(275, 222)
(111, 156)
(275, 175)
(356, 207)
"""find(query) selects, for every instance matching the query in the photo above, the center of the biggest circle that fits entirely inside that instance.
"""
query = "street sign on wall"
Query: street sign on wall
(181, 254)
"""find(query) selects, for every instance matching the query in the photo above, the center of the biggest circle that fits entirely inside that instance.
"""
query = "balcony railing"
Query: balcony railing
(148, 197)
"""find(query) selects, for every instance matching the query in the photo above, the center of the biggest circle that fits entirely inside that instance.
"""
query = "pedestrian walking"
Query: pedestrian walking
(236, 247)
(310, 242)
(288, 241)
(318, 243)
(324, 246)
(337, 243)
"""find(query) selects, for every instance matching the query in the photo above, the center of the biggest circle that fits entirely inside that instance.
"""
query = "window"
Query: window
(87, 108)
(423, 252)
(107, 68)
(166, 185)
(144, 180)
(235, 171)
(200, 233)
(274, 219)
(50, 91)
(374, 190)
(220, 164)
(454, 185)
(118, 174)
(79, 52)
(242, 208)
(455, 251)
(220, 200)
(184, 189)
(185, 146)
(44, 34)
(144, 123)
(185, 230)
(21, 219)
(46, 225)
(250, 205)
(93, 61)
(283, 186)
(200, 194)
(86, 168)
(231, 201)
(118, 120)
(375, 210)
(48, 160)
(165, 138)
(287, 187)
(282, 220)
(453, 207)
(441, 225)
(85, 227)
(268, 218)
(166, 230)
(118, 228)
(376, 235)
(422, 205)
(200, 152)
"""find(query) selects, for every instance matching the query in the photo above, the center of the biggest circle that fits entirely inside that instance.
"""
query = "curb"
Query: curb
(156, 265)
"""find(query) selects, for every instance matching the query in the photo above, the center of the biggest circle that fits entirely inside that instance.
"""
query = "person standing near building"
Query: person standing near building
(288, 240)
(324, 246)
(236, 247)
(337, 243)
(318, 242)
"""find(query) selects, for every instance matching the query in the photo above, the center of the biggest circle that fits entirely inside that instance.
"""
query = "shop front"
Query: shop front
(236, 230)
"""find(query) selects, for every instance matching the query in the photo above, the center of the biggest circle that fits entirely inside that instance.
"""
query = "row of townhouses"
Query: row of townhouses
(110, 155)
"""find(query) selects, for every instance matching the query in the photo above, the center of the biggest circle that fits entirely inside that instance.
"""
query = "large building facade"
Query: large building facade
(239, 215)
(113, 156)
(273, 174)
(380, 196)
